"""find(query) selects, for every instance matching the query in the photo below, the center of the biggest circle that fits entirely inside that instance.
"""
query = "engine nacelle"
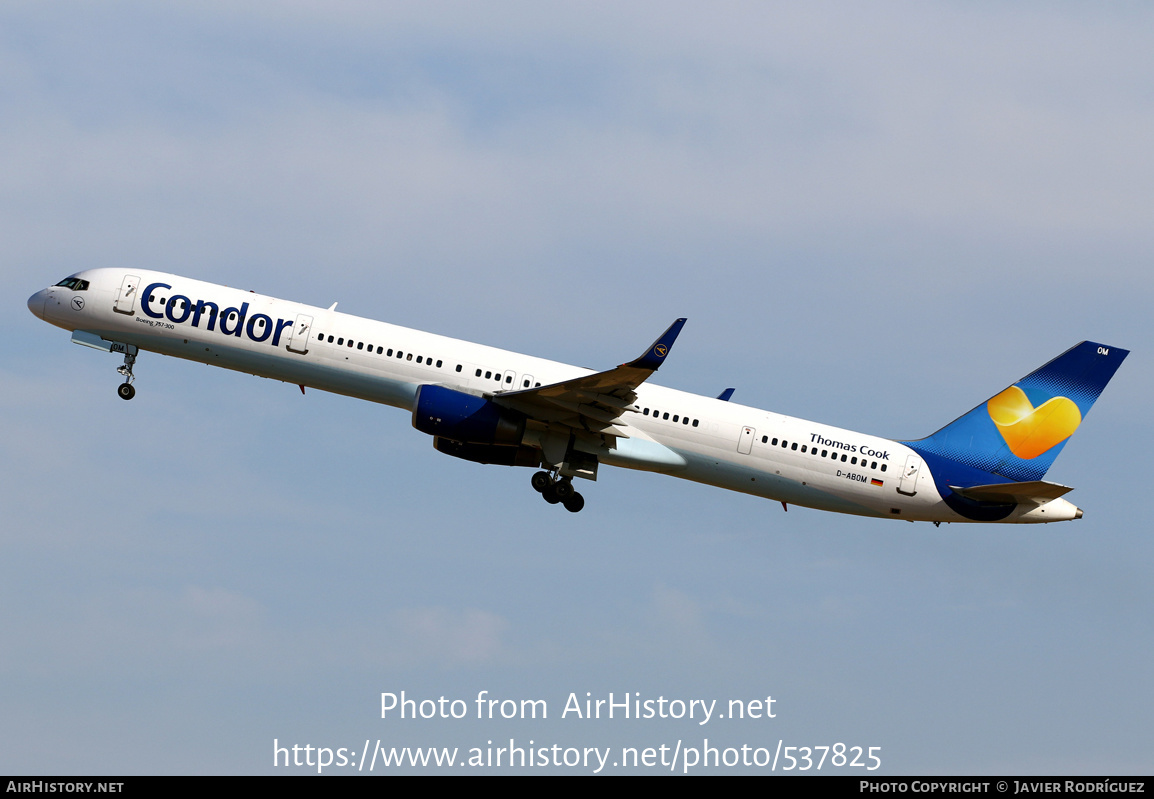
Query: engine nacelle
(489, 453)
(466, 418)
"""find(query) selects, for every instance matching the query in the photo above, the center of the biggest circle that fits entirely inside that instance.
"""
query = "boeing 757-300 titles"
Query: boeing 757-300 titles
(492, 406)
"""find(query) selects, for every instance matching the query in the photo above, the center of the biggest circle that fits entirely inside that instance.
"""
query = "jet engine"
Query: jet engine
(466, 418)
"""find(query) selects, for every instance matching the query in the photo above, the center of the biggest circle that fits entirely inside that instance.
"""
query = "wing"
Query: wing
(593, 402)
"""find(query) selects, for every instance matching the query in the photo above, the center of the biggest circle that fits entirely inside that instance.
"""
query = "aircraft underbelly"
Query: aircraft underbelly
(781, 488)
(313, 372)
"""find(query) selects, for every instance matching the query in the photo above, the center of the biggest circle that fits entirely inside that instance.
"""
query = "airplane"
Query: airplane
(493, 406)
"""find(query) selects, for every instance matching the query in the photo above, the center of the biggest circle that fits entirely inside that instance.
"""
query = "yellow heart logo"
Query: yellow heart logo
(1030, 431)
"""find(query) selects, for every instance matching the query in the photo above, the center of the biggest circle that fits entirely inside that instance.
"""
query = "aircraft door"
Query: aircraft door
(302, 329)
(126, 301)
(745, 443)
(908, 484)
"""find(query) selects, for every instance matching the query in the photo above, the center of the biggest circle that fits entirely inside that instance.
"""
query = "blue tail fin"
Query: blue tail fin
(1019, 432)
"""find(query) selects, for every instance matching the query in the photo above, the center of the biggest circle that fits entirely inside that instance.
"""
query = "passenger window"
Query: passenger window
(438, 364)
(794, 447)
(330, 339)
(340, 341)
(883, 467)
(675, 417)
(665, 415)
(418, 359)
(458, 366)
(478, 373)
(360, 345)
(695, 423)
(764, 439)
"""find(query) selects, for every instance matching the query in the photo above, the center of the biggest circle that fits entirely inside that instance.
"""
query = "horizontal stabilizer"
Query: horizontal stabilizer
(1037, 491)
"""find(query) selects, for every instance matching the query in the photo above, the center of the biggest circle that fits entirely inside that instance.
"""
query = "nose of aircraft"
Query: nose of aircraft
(36, 302)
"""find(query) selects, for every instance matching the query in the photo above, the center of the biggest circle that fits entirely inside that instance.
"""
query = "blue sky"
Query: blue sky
(872, 216)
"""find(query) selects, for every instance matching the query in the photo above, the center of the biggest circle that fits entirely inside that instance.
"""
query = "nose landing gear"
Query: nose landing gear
(126, 390)
(556, 491)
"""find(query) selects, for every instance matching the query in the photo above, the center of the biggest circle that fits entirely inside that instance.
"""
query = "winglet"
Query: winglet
(658, 349)
(725, 395)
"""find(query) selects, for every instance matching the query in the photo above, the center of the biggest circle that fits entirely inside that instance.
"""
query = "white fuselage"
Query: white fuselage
(698, 438)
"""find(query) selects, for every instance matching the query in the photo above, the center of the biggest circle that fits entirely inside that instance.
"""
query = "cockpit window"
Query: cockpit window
(74, 283)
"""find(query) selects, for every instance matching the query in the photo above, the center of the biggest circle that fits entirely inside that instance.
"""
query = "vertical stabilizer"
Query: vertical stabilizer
(1019, 432)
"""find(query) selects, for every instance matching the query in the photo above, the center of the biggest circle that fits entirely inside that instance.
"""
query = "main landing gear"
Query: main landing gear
(125, 390)
(555, 491)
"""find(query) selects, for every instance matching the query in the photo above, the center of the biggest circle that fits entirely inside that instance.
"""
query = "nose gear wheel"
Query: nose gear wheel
(126, 390)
